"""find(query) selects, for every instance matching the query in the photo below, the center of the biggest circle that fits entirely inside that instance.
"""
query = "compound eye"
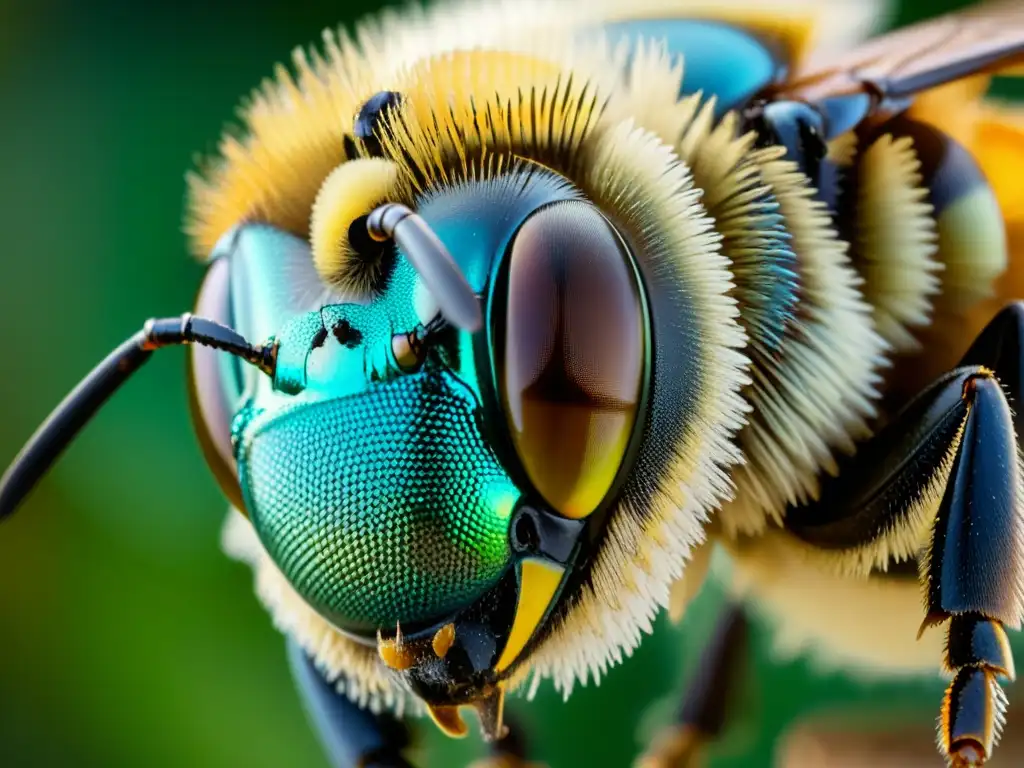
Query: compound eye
(572, 363)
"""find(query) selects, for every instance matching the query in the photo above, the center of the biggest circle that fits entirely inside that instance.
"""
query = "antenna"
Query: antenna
(85, 400)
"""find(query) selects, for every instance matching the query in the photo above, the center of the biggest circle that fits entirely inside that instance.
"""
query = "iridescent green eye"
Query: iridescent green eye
(571, 365)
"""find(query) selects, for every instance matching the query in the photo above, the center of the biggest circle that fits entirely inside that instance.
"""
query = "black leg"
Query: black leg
(352, 737)
(945, 474)
(973, 572)
(708, 698)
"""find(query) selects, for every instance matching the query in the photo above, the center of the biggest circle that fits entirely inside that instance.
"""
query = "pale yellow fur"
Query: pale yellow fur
(841, 622)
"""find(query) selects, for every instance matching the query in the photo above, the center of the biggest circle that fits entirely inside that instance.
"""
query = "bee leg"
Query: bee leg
(351, 737)
(978, 651)
(949, 463)
(704, 709)
(973, 572)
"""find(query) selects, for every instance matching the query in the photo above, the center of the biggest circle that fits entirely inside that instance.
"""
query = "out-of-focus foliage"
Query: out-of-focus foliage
(126, 637)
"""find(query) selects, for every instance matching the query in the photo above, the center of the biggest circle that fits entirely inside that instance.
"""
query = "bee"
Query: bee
(513, 311)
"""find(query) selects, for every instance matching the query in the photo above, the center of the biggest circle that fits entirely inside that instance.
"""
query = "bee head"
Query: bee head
(429, 488)
(443, 507)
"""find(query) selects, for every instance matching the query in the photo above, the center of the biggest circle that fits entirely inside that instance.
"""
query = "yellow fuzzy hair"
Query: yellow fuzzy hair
(688, 586)
(352, 190)
(728, 170)
(453, 127)
(293, 127)
(842, 150)
(865, 625)
(974, 290)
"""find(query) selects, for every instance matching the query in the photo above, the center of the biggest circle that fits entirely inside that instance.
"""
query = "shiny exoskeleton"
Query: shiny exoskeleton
(551, 301)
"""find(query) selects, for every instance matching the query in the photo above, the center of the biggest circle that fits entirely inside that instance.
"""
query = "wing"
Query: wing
(985, 40)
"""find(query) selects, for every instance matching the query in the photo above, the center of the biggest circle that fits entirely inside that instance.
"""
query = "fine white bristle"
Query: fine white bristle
(353, 668)
(816, 401)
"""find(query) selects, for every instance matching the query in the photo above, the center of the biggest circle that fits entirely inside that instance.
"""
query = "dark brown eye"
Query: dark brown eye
(573, 354)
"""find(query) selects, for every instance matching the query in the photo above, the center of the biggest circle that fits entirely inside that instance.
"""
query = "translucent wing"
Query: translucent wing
(984, 40)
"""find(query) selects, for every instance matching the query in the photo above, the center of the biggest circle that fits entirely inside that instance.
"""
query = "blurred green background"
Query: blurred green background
(126, 637)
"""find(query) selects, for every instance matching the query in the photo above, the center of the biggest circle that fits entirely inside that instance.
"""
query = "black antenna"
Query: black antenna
(67, 420)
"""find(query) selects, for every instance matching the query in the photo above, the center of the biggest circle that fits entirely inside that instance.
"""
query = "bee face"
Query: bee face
(398, 497)
(588, 424)
(488, 488)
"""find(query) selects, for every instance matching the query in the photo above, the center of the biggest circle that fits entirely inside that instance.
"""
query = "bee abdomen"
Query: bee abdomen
(926, 232)
(917, 239)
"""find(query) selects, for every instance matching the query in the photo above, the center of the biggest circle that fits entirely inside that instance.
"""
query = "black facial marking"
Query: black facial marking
(320, 338)
(346, 335)
(525, 537)
(538, 531)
